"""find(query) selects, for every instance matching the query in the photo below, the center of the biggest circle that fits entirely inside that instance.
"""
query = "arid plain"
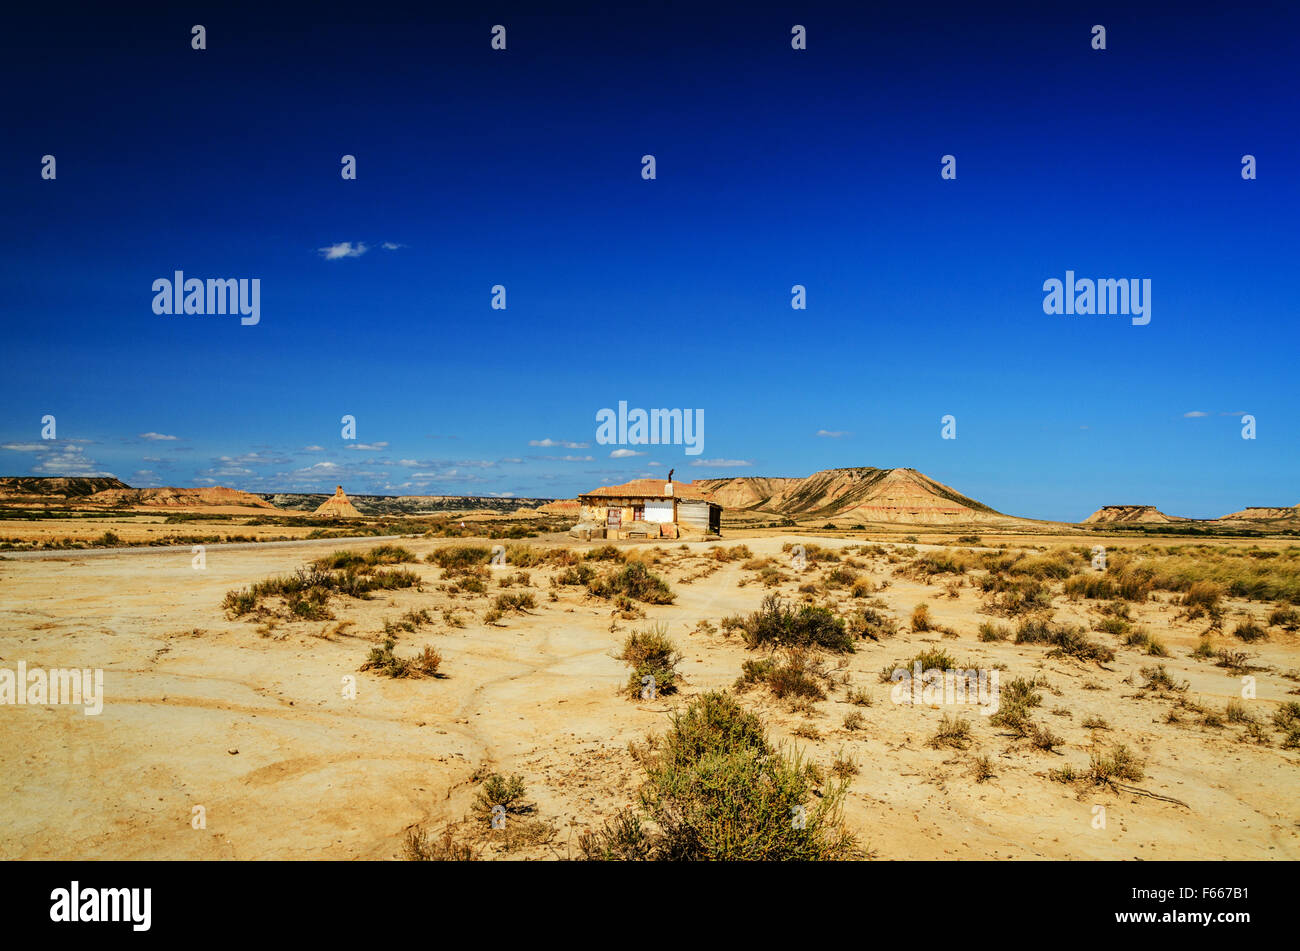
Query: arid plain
(234, 699)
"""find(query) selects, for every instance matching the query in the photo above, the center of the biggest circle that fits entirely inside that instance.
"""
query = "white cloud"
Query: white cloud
(562, 443)
(158, 437)
(624, 453)
(368, 446)
(344, 249)
(392, 246)
(1194, 414)
(577, 459)
(831, 433)
(58, 458)
(313, 448)
(722, 463)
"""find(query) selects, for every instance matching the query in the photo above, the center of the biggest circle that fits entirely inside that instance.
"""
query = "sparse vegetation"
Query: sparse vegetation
(953, 732)
(307, 592)
(384, 661)
(651, 654)
(634, 580)
(777, 624)
(716, 790)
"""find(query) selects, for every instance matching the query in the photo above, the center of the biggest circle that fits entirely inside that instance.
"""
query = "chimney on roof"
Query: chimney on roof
(670, 474)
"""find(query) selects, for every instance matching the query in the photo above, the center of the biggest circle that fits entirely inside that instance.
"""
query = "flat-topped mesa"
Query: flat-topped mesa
(338, 506)
(1130, 514)
(1256, 513)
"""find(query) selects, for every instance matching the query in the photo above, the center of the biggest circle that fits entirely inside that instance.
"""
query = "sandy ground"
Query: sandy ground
(202, 710)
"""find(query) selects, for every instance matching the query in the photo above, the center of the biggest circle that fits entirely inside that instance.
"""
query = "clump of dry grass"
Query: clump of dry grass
(953, 732)
(421, 847)
(384, 661)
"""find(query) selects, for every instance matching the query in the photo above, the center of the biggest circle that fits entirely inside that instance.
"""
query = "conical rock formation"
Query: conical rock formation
(338, 506)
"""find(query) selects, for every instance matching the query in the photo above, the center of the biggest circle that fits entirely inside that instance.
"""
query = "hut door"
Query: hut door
(614, 519)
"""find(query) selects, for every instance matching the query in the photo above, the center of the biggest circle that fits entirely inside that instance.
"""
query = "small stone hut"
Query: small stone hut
(647, 508)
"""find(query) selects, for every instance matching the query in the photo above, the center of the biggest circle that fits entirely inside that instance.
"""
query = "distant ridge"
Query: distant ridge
(176, 497)
(45, 488)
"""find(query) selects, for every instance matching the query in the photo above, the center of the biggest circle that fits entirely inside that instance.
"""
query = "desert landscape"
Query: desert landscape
(475, 683)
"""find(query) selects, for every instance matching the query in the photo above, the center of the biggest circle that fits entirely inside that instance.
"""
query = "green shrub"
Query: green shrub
(650, 653)
(777, 624)
(716, 790)
(634, 580)
(1120, 764)
(459, 556)
(497, 790)
(798, 674)
(993, 632)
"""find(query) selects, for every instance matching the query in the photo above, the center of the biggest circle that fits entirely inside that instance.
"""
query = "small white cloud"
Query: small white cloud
(158, 437)
(624, 453)
(577, 459)
(368, 446)
(831, 433)
(722, 463)
(659, 464)
(392, 245)
(563, 443)
(344, 249)
(1194, 414)
(313, 448)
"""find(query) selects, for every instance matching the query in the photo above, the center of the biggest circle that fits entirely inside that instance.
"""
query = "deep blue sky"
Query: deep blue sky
(775, 167)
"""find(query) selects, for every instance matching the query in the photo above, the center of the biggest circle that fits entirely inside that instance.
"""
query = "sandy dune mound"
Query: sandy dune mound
(173, 497)
(560, 507)
(338, 506)
(1108, 514)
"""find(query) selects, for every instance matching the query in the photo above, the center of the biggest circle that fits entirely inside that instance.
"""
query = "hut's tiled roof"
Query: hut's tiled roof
(647, 489)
